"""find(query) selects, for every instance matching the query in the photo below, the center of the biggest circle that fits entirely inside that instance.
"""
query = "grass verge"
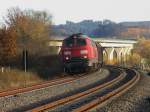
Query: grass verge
(17, 78)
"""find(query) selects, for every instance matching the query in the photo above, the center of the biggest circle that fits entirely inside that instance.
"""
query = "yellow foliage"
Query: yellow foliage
(135, 59)
(142, 48)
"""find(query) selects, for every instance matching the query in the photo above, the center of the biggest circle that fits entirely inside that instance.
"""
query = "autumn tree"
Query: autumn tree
(135, 59)
(143, 49)
(32, 27)
(7, 45)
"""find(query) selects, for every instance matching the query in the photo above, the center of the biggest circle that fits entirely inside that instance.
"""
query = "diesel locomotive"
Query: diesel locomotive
(79, 51)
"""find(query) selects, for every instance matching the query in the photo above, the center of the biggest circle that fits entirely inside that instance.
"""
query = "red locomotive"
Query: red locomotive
(80, 51)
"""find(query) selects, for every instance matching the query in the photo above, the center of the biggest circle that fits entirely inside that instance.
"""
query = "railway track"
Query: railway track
(14, 91)
(95, 96)
(124, 85)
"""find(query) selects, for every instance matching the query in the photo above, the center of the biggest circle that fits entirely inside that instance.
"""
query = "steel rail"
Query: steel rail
(117, 92)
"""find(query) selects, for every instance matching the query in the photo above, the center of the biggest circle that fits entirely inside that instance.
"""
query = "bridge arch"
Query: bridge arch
(105, 56)
(121, 57)
(115, 57)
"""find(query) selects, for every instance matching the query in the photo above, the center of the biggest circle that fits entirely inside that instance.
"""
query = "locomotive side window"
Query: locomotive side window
(80, 42)
(93, 44)
(94, 48)
(69, 42)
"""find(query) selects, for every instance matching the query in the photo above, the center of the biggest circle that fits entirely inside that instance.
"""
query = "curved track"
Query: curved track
(94, 96)
(130, 80)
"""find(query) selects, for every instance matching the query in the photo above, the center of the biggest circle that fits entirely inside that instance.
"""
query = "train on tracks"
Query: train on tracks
(79, 51)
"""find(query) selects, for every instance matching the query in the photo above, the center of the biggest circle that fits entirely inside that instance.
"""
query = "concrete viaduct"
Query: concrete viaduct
(114, 50)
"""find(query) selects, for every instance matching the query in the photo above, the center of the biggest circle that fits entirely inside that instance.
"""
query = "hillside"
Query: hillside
(104, 28)
(86, 27)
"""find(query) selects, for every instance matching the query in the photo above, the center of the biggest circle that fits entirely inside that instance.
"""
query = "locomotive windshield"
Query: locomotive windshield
(69, 42)
(80, 42)
(75, 42)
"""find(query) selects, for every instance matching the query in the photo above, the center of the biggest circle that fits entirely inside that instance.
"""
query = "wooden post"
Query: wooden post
(25, 60)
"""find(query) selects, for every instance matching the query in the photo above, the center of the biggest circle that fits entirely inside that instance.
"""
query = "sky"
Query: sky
(78, 10)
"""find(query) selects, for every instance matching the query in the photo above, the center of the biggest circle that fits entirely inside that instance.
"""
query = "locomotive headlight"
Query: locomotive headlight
(67, 53)
(67, 58)
(84, 56)
(84, 52)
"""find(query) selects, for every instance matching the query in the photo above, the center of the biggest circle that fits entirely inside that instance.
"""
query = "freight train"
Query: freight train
(79, 51)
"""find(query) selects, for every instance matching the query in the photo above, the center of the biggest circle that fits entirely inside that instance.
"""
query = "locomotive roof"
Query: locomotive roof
(78, 35)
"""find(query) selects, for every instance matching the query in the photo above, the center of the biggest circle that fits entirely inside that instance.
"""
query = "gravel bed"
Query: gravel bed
(137, 99)
(19, 102)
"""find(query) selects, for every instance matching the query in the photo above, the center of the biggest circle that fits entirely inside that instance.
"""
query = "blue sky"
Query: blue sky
(78, 10)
